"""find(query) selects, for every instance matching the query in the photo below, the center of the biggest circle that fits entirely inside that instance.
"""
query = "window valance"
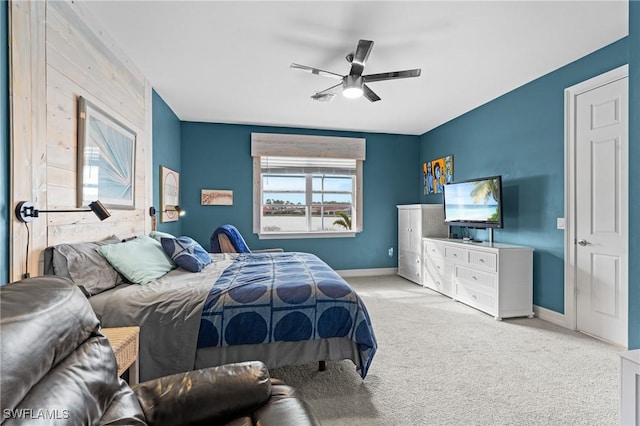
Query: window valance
(285, 145)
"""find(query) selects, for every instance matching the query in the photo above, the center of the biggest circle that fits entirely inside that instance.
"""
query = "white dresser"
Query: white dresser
(494, 278)
(630, 388)
(414, 222)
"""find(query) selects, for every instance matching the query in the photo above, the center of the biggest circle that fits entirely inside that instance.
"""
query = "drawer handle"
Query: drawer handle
(475, 278)
(481, 260)
(438, 283)
(417, 260)
(455, 255)
(474, 297)
(438, 266)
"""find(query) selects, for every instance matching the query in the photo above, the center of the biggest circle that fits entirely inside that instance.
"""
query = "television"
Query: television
(474, 203)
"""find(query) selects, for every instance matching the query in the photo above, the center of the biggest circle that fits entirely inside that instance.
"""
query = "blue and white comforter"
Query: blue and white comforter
(273, 297)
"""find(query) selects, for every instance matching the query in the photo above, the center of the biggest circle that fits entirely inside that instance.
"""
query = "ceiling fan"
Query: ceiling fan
(354, 84)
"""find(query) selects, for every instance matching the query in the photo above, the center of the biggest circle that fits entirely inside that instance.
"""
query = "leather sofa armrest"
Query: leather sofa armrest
(285, 407)
(215, 394)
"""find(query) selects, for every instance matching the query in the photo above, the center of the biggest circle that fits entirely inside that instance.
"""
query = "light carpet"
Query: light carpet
(440, 362)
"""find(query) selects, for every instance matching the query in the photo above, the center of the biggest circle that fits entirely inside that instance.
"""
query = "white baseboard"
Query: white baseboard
(550, 316)
(367, 272)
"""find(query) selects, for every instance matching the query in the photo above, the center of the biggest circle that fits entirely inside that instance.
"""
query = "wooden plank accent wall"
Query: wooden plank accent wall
(59, 52)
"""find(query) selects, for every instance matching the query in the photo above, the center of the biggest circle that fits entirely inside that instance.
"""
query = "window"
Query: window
(307, 186)
(302, 194)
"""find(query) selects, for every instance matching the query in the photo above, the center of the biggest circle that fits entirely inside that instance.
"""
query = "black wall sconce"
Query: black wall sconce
(177, 209)
(153, 211)
(26, 211)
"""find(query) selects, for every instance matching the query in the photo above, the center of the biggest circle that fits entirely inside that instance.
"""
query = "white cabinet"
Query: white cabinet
(494, 278)
(414, 222)
(630, 388)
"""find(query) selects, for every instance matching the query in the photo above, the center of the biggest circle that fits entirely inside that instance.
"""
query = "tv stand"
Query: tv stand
(489, 231)
(491, 277)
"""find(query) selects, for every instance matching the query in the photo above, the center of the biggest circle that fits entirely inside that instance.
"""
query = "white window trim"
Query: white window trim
(298, 235)
(263, 144)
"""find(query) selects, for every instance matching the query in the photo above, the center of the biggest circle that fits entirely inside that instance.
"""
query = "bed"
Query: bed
(280, 308)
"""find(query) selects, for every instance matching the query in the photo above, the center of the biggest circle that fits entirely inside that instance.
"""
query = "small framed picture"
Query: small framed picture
(216, 197)
(169, 194)
(437, 173)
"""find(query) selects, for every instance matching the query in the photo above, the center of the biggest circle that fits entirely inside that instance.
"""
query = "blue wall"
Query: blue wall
(218, 156)
(634, 174)
(398, 185)
(521, 136)
(4, 143)
(166, 152)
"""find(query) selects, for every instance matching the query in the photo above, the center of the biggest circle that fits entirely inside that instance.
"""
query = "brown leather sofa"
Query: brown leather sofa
(58, 369)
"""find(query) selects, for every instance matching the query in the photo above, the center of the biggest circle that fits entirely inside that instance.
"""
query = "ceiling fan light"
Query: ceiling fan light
(352, 92)
(352, 86)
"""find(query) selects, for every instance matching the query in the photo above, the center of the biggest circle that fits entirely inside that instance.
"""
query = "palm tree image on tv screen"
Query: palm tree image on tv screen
(475, 201)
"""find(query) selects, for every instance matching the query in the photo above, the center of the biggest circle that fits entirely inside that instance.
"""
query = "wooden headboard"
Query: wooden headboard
(58, 52)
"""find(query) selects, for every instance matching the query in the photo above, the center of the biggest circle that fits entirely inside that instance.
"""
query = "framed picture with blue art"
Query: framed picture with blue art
(436, 173)
(106, 159)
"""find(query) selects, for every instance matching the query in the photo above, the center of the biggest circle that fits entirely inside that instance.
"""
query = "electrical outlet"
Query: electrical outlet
(560, 223)
(390, 251)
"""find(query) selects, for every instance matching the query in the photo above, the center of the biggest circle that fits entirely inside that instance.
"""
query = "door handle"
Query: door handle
(583, 242)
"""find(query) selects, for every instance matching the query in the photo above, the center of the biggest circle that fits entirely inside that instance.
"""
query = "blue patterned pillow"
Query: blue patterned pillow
(186, 253)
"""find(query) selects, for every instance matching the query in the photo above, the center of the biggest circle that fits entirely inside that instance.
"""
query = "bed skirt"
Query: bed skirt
(279, 354)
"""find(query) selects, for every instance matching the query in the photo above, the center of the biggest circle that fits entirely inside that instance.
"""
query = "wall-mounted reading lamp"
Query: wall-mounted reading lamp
(26, 211)
(153, 211)
(177, 209)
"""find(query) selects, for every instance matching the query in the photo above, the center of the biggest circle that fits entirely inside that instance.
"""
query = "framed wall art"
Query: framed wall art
(216, 197)
(106, 159)
(169, 194)
(437, 173)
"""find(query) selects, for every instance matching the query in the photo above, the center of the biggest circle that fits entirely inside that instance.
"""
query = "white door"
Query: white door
(415, 224)
(404, 229)
(601, 211)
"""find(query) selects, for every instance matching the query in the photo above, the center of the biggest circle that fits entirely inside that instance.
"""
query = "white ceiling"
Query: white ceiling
(228, 62)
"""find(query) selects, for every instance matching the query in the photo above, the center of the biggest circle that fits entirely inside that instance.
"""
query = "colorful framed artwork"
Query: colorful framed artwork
(437, 173)
(169, 194)
(106, 159)
(216, 197)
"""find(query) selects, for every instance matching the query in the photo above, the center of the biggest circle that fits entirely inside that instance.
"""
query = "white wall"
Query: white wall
(57, 53)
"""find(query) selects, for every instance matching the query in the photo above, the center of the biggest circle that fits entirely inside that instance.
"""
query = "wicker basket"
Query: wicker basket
(124, 342)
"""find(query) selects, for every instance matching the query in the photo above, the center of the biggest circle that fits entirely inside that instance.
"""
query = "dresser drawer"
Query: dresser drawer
(455, 254)
(477, 299)
(433, 250)
(437, 275)
(435, 265)
(437, 282)
(483, 259)
(475, 278)
(410, 266)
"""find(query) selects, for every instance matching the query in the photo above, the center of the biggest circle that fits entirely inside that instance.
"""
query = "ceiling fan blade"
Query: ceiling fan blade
(315, 71)
(329, 91)
(328, 97)
(369, 94)
(391, 75)
(360, 56)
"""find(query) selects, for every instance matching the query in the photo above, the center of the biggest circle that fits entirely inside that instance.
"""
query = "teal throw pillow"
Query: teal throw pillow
(157, 235)
(186, 253)
(139, 260)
